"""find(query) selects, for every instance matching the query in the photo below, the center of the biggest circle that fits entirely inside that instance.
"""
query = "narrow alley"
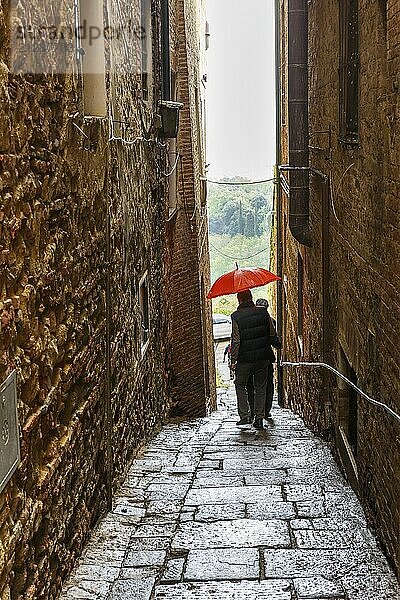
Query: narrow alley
(212, 511)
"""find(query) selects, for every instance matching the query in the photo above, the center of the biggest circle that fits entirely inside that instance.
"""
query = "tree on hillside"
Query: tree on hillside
(239, 210)
(259, 201)
(250, 225)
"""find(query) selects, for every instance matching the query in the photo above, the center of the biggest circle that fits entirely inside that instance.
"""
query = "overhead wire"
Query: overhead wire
(239, 257)
(241, 182)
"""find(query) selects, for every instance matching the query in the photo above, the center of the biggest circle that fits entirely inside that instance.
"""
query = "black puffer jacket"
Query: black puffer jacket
(255, 332)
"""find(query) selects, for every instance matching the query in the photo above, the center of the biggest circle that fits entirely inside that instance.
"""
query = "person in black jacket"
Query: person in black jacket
(252, 332)
(275, 343)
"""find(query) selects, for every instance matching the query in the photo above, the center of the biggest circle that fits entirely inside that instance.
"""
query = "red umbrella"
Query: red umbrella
(240, 280)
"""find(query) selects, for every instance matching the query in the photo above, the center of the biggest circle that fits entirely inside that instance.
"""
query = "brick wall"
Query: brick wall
(361, 301)
(81, 221)
(193, 367)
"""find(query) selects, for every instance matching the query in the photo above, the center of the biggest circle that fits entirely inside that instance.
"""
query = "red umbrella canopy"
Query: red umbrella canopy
(239, 280)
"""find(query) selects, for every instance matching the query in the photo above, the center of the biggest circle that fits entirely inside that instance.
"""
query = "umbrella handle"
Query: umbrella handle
(237, 266)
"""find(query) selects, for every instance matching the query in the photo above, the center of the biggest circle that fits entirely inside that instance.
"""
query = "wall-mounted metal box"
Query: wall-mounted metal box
(9, 431)
(169, 112)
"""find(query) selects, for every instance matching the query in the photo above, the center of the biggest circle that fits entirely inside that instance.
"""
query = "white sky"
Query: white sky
(240, 88)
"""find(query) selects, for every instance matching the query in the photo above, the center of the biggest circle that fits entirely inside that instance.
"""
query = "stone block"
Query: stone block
(213, 480)
(220, 512)
(139, 544)
(154, 531)
(318, 587)
(297, 563)
(197, 497)
(221, 563)
(226, 590)
(87, 590)
(232, 534)
(132, 588)
(173, 571)
(144, 558)
(271, 510)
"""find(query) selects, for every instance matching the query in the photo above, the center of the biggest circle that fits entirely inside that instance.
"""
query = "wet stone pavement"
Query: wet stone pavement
(210, 511)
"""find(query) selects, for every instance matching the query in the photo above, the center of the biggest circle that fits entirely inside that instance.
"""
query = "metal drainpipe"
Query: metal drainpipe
(298, 119)
(278, 204)
(166, 67)
(108, 401)
(326, 276)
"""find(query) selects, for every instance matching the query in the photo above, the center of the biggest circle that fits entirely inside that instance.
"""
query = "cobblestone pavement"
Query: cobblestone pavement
(209, 511)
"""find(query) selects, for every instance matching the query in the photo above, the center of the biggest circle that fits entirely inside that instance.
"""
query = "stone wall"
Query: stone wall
(82, 220)
(359, 251)
(52, 333)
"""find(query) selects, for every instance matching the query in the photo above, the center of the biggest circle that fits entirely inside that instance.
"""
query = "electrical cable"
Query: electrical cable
(169, 173)
(332, 197)
(80, 130)
(242, 182)
(172, 169)
(339, 188)
(238, 258)
(130, 142)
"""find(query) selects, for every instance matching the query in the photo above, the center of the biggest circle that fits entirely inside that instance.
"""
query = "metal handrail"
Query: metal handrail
(386, 408)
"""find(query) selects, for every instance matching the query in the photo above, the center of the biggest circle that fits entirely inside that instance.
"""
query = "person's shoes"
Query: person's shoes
(258, 424)
(245, 421)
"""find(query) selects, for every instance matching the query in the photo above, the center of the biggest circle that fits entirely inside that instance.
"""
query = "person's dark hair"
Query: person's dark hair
(262, 302)
(244, 296)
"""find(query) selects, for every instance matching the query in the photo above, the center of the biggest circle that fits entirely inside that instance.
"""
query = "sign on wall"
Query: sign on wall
(9, 434)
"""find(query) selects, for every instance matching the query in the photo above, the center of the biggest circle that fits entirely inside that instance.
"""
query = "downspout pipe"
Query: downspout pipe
(278, 193)
(166, 62)
(298, 120)
(109, 465)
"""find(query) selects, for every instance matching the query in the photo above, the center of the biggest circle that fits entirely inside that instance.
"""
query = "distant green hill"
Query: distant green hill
(239, 209)
(240, 220)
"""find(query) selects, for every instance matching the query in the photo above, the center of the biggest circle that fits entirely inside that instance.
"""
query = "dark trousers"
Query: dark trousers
(269, 395)
(259, 373)
(270, 389)
(250, 393)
